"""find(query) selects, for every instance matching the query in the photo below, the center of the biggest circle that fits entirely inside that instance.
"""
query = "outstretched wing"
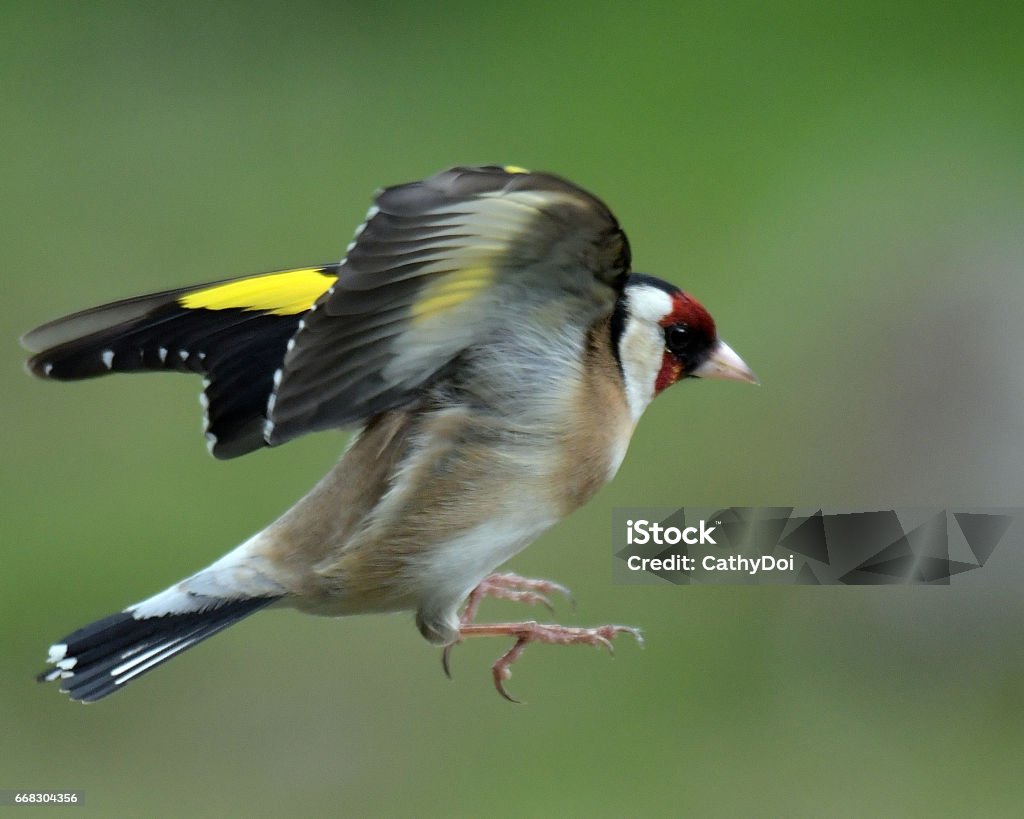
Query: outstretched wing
(441, 265)
(233, 332)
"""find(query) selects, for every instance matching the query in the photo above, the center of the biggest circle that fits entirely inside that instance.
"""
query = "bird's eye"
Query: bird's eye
(679, 339)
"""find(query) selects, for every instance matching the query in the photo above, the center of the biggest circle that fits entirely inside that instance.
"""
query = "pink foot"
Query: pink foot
(524, 590)
(515, 588)
(506, 586)
(532, 632)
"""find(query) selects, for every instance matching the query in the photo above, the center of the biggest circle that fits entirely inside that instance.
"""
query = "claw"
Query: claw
(542, 588)
(635, 633)
(530, 632)
(501, 668)
(518, 589)
(506, 586)
(501, 690)
(525, 590)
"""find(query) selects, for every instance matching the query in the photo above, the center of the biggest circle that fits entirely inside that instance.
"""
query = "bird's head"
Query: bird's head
(662, 335)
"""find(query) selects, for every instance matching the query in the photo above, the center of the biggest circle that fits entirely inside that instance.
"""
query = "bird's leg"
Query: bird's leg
(533, 632)
(506, 586)
(525, 590)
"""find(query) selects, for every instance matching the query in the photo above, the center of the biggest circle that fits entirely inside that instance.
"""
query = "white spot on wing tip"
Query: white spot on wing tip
(268, 425)
(373, 211)
(183, 355)
(162, 352)
(68, 664)
(47, 369)
(204, 402)
(57, 652)
(108, 358)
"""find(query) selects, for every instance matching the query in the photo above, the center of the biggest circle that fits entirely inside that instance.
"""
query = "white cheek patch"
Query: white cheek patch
(642, 344)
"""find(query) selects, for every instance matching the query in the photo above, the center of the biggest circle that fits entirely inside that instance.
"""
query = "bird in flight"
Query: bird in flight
(484, 337)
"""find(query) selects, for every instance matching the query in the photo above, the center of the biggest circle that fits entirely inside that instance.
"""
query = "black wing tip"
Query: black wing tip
(236, 350)
(37, 367)
(39, 363)
(54, 365)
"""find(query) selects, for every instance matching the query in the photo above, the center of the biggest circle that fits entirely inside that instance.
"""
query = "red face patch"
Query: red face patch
(671, 369)
(687, 311)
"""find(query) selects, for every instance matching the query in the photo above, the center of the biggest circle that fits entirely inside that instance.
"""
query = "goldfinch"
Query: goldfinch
(490, 347)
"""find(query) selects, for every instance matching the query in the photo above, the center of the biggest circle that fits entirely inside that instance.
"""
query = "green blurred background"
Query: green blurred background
(841, 184)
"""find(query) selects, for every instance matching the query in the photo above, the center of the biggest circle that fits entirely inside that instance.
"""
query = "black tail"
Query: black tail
(102, 657)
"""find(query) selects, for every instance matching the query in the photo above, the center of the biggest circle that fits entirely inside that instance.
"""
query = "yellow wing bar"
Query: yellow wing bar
(282, 294)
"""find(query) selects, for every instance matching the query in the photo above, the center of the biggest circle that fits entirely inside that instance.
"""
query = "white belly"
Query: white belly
(448, 574)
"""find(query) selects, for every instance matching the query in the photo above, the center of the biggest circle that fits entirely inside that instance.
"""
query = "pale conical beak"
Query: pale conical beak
(725, 364)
